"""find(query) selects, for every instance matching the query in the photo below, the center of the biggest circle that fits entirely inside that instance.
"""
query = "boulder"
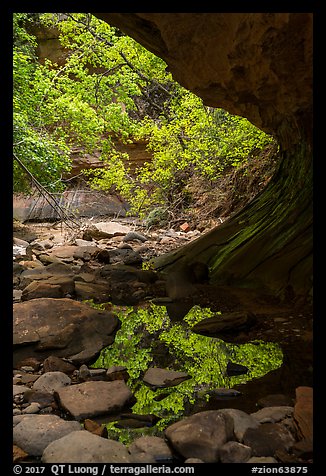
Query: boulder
(153, 446)
(267, 438)
(241, 421)
(201, 435)
(55, 287)
(63, 328)
(234, 452)
(93, 398)
(51, 381)
(35, 432)
(84, 447)
(272, 414)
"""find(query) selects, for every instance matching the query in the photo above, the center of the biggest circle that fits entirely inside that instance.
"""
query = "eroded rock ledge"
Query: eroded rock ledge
(257, 65)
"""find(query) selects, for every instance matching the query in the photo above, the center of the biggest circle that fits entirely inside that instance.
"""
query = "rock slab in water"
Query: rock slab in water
(63, 328)
(90, 399)
(157, 377)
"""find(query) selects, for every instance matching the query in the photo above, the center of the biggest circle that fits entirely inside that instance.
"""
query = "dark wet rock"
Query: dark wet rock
(85, 374)
(275, 400)
(233, 368)
(85, 447)
(90, 399)
(131, 424)
(124, 273)
(267, 438)
(134, 420)
(53, 363)
(103, 256)
(98, 291)
(61, 327)
(234, 452)
(159, 378)
(224, 392)
(117, 372)
(225, 324)
(125, 256)
(35, 432)
(153, 446)
(44, 399)
(201, 435)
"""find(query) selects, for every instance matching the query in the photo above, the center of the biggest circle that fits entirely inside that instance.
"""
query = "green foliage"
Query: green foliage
(203, 358)
(41, 153)
(110, 87)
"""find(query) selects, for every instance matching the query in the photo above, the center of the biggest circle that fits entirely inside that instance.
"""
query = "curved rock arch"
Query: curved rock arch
(257, 65)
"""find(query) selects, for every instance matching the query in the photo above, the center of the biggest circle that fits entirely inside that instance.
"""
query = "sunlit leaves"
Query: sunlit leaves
(203, 358)
(109, 86)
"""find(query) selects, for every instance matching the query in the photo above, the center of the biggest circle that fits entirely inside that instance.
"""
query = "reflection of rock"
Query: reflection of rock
(233, 368)
(63, 328)
(225, 325)
(164, 378)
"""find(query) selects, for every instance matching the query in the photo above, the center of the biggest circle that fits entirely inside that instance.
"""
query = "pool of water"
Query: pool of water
(147, 338)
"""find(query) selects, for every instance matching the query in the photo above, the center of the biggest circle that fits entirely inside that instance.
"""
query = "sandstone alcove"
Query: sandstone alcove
(257, 65)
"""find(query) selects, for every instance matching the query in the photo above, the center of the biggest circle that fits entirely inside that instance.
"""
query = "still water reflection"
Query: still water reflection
(148, 338)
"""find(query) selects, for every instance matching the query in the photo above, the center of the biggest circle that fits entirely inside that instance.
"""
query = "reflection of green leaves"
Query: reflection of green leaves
(203, 358)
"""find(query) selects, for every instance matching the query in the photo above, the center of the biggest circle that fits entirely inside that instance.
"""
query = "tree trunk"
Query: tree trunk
(267, 245)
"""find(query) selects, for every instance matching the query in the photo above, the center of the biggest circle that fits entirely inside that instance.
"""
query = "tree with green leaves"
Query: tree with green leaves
(111, 88)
